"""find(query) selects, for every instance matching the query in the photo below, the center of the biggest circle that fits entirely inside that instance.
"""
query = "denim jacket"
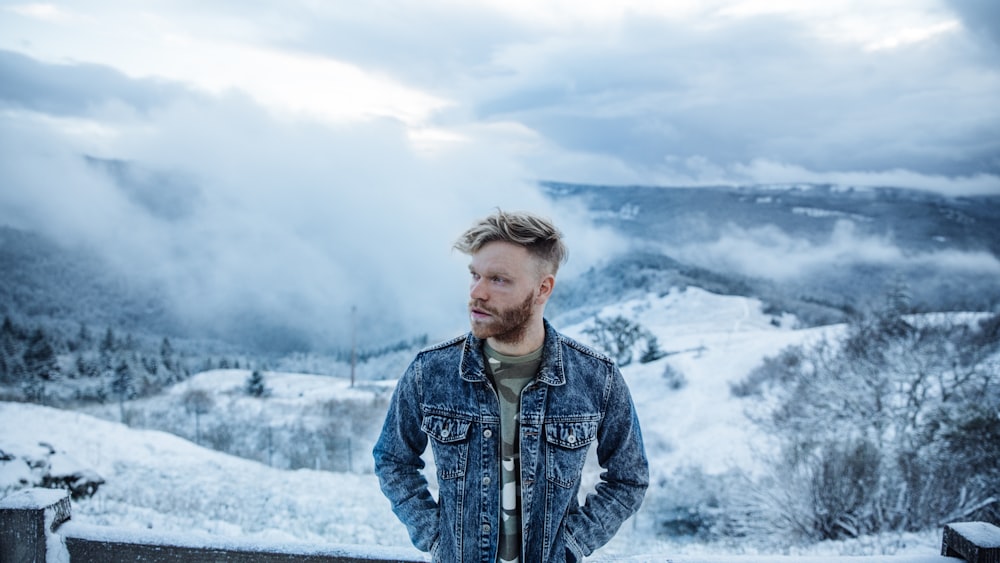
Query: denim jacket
(577, 399)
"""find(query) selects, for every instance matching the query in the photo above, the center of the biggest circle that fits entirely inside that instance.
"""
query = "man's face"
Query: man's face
(503, 292)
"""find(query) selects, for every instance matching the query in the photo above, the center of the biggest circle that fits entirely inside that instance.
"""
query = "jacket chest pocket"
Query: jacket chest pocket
(566, 445)
(450, 443)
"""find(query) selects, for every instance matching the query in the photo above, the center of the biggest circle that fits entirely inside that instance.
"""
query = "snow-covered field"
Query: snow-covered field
(158, 481)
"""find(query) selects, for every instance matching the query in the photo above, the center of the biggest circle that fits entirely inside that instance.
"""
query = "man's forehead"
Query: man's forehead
(501, 256)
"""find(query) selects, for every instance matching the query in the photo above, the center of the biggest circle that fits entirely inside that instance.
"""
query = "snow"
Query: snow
(982, 534)
(158, 483)
(32, 498)
(50, 500)
(715, 340)
(797, 559)
(156, 480)
(209, 541)
(55, 543)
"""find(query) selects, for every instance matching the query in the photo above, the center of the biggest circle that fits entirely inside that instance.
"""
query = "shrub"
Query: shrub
(616, 336)
(889, 428)
(674, 378)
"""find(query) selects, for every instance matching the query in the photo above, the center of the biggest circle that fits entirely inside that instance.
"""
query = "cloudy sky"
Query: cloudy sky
(307, 156)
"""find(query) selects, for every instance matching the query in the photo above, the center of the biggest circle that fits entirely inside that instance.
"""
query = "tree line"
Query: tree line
(45, 365)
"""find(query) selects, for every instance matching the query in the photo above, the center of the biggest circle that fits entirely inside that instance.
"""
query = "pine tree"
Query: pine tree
(40, 358)
(11, 353)
(255, 384)
(168, 360)
(87, 368)
(33, 389)
(108, 342)
(82, 340)
(122, 384)
(106, 350)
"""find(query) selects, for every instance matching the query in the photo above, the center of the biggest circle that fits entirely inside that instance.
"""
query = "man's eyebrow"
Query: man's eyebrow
(491, 272)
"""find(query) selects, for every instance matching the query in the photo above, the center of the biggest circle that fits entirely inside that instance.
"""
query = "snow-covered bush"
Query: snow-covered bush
(674, 378)
(890, 428)
(692, 504)
(43, 466)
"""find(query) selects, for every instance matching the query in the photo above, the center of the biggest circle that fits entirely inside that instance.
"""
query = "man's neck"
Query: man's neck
(533, 339)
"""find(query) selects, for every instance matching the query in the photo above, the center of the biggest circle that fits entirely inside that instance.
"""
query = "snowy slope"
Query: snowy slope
(158, 481)
(161, 482)
(713, 340)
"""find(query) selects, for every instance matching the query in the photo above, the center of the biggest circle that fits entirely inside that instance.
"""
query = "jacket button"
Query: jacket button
(571, 439)
(486, 528)
(486, 480)
(445, 433)
(487, 433)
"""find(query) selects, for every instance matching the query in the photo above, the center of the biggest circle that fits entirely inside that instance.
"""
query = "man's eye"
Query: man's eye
(497, 279)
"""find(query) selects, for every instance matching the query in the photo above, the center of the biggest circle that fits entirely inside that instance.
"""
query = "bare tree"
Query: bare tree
(873, 426)
(197, 402)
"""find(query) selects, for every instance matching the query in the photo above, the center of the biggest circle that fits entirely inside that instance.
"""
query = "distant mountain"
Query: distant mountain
(916, 220)
(818, 251)
(63, 287)
(46, 282)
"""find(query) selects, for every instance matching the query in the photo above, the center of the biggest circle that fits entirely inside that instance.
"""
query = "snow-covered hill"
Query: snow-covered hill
(159, 481)
(712, 340)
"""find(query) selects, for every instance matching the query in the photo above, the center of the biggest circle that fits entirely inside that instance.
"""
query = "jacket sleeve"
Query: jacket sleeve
(398, 464)
(623, 483)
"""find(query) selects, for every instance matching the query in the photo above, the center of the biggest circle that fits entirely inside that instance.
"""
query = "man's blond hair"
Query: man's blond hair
(536, 234)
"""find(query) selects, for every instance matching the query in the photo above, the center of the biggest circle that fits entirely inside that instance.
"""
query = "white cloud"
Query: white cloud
(294, 220)
(338, 148)
(158, 45)
(41, 11)
(913, 35)
(848, 85)
(764, 171)
(770, 253)
(297, 83)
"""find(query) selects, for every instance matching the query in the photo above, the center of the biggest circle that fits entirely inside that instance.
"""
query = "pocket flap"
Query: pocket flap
(571, 434)
(445, 429)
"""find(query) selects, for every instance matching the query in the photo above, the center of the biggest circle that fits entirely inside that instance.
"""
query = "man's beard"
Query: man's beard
(508, 326)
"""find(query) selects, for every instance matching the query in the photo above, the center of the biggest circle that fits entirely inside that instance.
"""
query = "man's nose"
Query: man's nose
(478, 291)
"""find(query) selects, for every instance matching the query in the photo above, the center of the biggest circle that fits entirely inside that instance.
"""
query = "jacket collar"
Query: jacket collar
(550, 372)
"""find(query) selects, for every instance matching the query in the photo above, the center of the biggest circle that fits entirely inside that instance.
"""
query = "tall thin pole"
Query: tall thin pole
(354, 341)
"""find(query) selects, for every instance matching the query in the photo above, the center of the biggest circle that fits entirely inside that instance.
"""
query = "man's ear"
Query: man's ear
(545, 288)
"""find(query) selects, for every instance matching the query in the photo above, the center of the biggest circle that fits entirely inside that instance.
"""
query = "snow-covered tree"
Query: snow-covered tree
(197, 402)
(40, 358)
(874, 427)
(616, 336)
(121, 385)
(255, 385)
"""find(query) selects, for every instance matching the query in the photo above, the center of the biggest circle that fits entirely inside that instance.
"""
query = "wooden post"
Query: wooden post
(28, 519)
(973, 542)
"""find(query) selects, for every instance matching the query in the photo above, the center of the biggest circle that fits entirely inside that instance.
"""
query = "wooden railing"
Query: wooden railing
(35, 527)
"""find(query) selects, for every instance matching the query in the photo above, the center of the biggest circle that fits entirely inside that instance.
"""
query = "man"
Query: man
(510, 411)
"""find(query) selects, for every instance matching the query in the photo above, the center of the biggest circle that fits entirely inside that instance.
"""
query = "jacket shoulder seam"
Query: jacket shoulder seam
(583, 348)
(443, 345)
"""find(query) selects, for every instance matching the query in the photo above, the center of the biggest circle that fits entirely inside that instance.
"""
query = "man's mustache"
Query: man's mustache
(478, 304)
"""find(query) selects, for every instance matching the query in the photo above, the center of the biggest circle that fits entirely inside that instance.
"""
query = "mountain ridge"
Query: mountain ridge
(791, 245)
